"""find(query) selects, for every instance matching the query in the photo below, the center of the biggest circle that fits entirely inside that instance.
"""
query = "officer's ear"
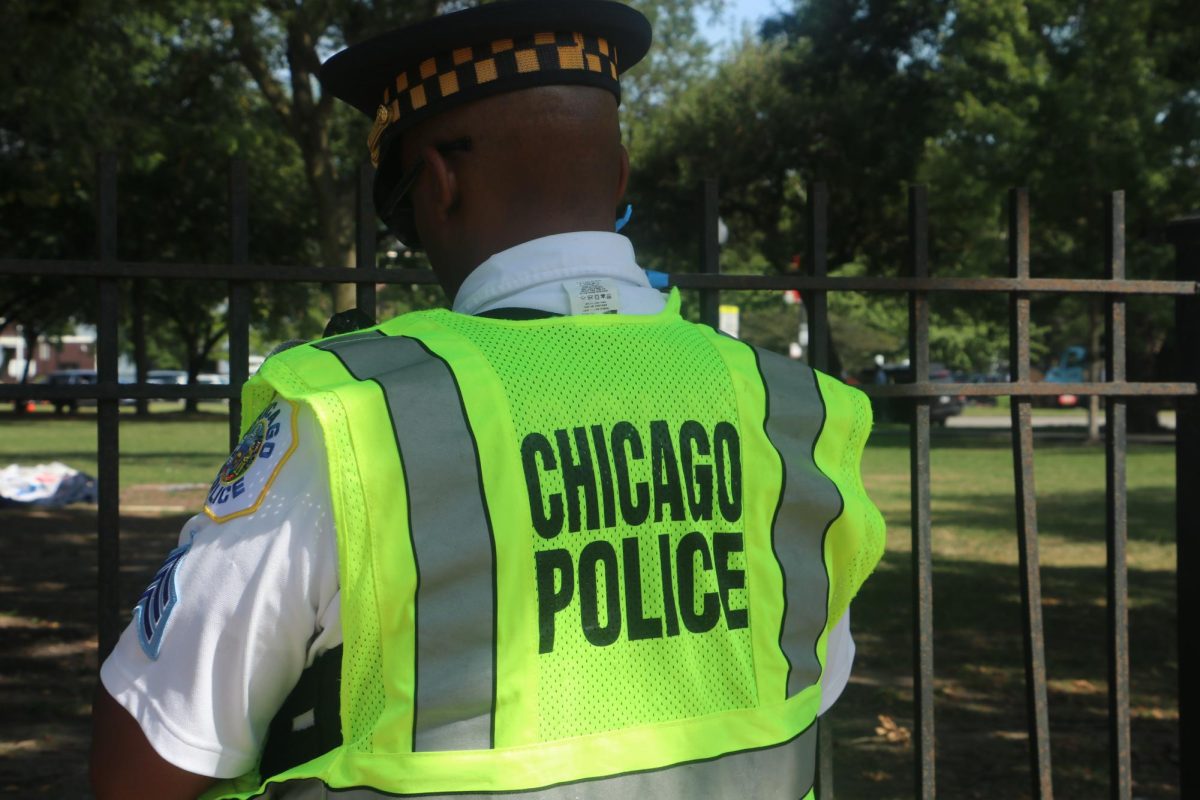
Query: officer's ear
(443, 182)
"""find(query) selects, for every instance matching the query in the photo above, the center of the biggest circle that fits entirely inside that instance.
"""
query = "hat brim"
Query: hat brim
(359, 74)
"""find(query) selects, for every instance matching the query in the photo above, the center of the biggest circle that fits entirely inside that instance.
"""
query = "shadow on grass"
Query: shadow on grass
(982, 739)
(1076, 515)
(48, 638)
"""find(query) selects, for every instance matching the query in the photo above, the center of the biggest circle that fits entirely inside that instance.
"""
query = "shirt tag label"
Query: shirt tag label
(593, 296)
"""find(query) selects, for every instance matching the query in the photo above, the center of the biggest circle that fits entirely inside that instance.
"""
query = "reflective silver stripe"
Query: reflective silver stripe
(784, 771)
(451, 535)
(808, 506)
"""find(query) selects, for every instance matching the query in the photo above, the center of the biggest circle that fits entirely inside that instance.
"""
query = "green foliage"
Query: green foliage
(970, 97)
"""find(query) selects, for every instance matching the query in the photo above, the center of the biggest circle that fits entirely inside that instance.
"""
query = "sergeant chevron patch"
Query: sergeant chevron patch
(247, 475)
(154, 607)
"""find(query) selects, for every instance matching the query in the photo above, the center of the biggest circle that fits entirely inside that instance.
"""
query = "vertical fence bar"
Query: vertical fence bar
(922, 535)
(1184, 234)
(825, 745)
(365, 244)
(818, 260)
(710, 253)
(1037, 710)
(1120, 778)
(108, 440)
(239, 295)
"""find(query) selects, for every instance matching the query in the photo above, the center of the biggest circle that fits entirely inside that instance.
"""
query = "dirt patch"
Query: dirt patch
(163, 498)
(48, 637)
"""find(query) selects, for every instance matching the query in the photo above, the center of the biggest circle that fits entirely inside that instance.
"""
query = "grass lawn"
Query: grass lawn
(980, 701)
(169, 447)
(979, 691)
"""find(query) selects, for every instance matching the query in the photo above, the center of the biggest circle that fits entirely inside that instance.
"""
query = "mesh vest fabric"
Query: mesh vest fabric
(632, 479)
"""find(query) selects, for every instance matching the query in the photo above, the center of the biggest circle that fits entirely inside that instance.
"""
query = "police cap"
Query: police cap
(407, 75)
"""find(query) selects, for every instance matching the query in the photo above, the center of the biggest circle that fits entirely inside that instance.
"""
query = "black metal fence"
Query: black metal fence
(1184, 234)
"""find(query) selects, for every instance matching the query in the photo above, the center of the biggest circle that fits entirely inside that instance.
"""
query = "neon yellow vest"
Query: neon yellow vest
(580, 556)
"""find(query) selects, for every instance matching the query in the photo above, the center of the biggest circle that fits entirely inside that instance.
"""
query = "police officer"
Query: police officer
(556, 542)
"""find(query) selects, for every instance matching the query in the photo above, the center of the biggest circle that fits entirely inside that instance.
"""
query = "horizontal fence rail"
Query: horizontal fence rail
(683, 280)
(925, 390)
(110, 274)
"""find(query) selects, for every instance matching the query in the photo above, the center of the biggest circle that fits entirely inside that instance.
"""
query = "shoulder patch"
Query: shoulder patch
(247, 475)
(154, 607)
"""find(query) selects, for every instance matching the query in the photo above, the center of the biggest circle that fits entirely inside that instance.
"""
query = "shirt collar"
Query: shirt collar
(504, 278)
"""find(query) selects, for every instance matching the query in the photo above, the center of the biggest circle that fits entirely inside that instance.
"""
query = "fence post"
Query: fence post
(1033, 637)
(239, 295)
(1120, 779)
(365, 246)
(710, 254)
(1184, 234)
(818, 265)
(108, 441)
(922, 534)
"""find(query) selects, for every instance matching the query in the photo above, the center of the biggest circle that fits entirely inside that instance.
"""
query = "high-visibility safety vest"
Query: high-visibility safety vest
(589, 556)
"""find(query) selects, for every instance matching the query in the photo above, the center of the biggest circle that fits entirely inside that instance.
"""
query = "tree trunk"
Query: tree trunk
(191, 404)
(31, 337)
(140, 358)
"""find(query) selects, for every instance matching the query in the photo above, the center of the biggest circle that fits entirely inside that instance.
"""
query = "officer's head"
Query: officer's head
(495, 125)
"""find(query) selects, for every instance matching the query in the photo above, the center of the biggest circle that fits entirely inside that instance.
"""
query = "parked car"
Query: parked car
(894, 409)
(167, 377)
(70, 377)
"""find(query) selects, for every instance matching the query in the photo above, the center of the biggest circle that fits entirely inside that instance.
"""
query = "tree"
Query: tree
(970, 97)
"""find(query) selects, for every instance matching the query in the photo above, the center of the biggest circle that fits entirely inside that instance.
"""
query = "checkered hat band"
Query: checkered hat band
(459, 70)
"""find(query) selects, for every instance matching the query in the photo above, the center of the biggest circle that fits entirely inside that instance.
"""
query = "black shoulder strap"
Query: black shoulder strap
(309, 721)
(517, 314)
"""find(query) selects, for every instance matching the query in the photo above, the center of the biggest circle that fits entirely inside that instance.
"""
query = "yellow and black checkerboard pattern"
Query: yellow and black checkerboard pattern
(462, 69)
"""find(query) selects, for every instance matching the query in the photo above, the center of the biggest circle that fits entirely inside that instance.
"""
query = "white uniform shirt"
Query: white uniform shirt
(251, 596)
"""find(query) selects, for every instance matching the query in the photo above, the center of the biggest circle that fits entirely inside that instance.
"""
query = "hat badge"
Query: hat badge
(383, 118)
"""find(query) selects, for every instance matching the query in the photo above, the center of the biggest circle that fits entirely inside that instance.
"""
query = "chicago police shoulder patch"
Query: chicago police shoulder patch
(247, 475)
(154, 607)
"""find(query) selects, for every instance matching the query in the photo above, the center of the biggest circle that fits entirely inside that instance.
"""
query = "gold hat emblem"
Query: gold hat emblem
(383, 118)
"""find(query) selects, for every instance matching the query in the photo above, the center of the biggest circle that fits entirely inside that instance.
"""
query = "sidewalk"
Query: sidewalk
(1056, 422)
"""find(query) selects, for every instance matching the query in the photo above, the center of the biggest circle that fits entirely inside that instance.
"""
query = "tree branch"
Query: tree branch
(255, 63)
(212, 340)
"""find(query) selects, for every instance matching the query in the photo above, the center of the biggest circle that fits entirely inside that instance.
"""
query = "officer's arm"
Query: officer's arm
(125, 766)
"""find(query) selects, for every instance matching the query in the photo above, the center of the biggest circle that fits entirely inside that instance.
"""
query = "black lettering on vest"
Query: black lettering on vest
(547, 524)
(594, 554)
(685, 557)
(606, 484)
(550, 600)
(633, 512)
(729, 579)
(693, 441)
(640, 626)
(729, 471)
(668, 584)
(667, 490)
(578, 475)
